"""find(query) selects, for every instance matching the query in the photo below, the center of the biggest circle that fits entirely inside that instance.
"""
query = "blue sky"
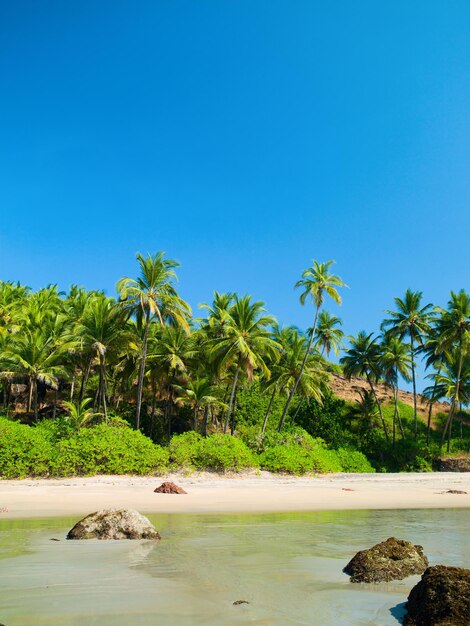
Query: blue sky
(243, 138)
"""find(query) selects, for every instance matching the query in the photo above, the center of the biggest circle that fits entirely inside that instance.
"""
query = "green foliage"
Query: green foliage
(24, 451)
(325, 420)
(56, 449)
(219, 452)
(252, 404)
(353, 461)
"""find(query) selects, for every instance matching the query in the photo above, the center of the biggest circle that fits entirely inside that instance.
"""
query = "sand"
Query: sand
(247, 493)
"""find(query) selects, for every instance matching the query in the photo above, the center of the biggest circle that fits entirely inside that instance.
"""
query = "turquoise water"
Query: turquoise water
(287, 566)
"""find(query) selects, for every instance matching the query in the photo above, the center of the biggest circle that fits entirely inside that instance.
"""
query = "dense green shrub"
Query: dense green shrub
(326, 420)
(185, 450)
(24, 451)
(225, 452)
(353, 461)
(52, 449)
(108, 450)
(297, 460)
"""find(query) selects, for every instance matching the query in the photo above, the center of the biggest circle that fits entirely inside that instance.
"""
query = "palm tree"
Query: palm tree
(102, 329)
(200, 394)
(316, 282)
(245, 344)
(328, 336)
(453, 330)
(152, 295)
(80, 414)
(410, 320)
(309, 375)
(394, 361)
(434, 358)
(363, 359)
(39, 356)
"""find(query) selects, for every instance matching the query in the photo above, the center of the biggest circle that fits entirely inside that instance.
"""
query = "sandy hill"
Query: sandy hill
(349, 390)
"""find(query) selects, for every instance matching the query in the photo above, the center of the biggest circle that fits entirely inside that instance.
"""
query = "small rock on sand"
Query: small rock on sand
(168, 487)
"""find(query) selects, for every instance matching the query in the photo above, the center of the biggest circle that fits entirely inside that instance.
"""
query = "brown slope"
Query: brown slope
(349, 390)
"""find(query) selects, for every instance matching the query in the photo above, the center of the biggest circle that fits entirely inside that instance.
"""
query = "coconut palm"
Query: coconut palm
(328, 336)
(199, 394)
(245, 344)
(80, 414)
(310, 375)
(317, 282)
(453, 330)
(394, 361)
(413, 321)
(153, 295)
(101, 330)
(363, 359)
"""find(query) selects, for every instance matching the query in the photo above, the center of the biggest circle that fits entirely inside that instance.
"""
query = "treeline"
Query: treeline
(144, 357)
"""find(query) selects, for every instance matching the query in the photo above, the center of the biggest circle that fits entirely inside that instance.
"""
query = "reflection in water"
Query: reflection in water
(287, 566)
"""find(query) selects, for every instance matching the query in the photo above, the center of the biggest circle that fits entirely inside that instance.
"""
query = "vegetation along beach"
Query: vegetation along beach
(234, 313)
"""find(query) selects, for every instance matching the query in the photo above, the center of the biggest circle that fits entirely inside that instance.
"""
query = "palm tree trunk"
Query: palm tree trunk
(299, 406)
(72, 387)
(140, 383)
(455, 399)
(195, 418)
(299, 376)
(431, 404)
(268, 411)
(379, 407)
(206, 419)
(154, 406)
(35, 397)
(54, 409)
(234, 412)
(30, 395)
(413, 376)
(232, 396)
(85, 377)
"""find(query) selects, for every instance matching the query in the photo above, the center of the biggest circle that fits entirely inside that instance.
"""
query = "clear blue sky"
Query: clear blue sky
(244, 138)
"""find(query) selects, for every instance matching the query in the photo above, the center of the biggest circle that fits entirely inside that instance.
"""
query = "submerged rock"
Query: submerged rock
(441, 598)
(169, 488)
(237, 602)
(393, 559)
(114, 524)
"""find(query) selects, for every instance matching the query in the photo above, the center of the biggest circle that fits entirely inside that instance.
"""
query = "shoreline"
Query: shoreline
(209, 493)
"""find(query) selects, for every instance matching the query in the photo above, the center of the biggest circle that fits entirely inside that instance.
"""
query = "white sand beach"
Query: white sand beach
(246, 493)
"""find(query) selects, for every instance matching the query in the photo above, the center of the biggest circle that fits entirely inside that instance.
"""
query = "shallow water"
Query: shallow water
(287, 566)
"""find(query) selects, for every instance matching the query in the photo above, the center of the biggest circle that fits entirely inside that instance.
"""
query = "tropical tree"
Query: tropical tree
(317, 282)
(153, 295)
(413, 321)
(245, 344)
(200, 395)
(102, 329)
(328, 337)
(453, 329)
(394, 361)
(363, 359)
(80, 414)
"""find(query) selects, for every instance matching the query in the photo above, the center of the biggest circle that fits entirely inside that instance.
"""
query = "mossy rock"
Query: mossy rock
(393, 559)
(114, 524)
(441, 598)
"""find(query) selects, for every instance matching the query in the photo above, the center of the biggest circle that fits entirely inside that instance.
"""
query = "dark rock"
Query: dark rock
(393, 559)
(346, 489)
(454, 464)
(441, 598)
(114, 524)
(453, 491)
(240, 602)
(54, 539)
(169, 488)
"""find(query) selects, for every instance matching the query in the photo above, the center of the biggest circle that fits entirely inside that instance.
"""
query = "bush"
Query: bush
(108, 450)
(53, 449)
(225, 452)
(185, 450)
(353, 461)
(294, 459)
(24, 451)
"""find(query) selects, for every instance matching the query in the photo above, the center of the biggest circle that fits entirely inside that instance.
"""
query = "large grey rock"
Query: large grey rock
(441, 598)
(393, 559)
(114, 524)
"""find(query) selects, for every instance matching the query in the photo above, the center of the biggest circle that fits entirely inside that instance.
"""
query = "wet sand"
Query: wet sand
(239, 493)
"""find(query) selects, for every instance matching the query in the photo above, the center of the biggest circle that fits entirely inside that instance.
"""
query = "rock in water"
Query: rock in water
(169, 488)
(114, 524)
(393, 559)
(441, 598)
